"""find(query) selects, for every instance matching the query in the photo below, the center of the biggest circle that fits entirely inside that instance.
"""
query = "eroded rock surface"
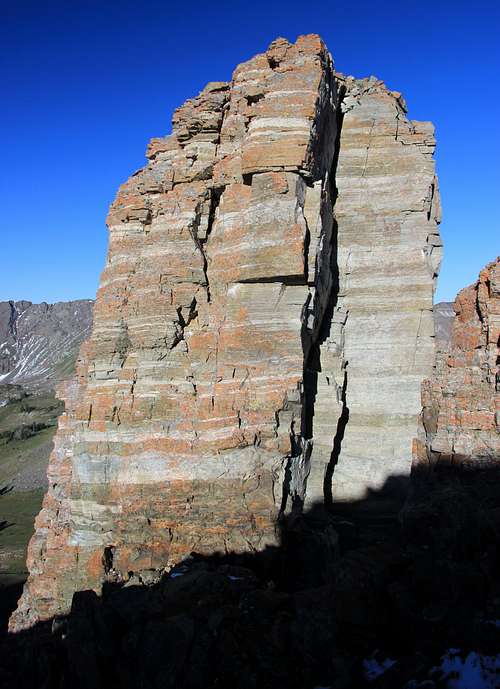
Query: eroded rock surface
(263, 322)
(461, 402)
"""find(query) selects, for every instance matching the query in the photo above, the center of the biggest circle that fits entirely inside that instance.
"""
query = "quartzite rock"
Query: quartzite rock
(461, 401)
(379, 345)
(229, 311)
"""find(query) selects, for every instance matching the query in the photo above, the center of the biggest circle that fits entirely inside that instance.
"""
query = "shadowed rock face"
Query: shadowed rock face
(461, 401)
(343, 595)
(264, 316)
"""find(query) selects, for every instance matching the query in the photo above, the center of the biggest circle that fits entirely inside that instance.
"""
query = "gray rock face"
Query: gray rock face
(39, 342)
(380, 342)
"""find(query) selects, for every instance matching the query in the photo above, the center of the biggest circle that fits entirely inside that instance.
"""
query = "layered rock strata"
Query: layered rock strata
(232, 324)
(461, 401)
(379, 344)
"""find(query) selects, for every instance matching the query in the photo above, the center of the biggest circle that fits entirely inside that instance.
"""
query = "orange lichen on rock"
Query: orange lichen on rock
(171, 440)
(461, 401)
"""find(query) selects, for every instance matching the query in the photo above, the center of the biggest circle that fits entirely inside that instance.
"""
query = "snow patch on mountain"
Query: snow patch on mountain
(39, 342)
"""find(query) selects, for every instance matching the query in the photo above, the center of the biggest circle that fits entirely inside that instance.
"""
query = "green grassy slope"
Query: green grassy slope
(18, 511)
(27, 428)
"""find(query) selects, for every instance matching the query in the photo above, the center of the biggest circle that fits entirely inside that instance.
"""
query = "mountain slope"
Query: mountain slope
(443, 322)
(39, 342)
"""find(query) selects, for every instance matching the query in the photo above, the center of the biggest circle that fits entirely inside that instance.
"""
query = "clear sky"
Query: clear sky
(86, 83)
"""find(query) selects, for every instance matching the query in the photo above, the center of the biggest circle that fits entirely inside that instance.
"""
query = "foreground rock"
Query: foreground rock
(263, 323)
(380, 608)
(461, 402)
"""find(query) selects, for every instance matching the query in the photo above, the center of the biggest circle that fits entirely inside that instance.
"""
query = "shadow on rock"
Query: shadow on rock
(4, 524)
(370, 593)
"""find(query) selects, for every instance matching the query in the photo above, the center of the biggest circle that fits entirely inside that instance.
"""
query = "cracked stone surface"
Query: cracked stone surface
(261, 329)
(461, 400)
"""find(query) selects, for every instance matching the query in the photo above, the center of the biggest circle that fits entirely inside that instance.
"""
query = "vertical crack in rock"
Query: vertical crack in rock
(320, 271)
(340, 385)
(337, 442)
(202, 229)
(325, 378)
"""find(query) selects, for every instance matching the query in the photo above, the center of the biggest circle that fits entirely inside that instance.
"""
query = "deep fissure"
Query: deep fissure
(298, 464)
(215, 195)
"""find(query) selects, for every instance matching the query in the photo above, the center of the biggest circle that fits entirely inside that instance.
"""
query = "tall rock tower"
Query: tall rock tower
(261, 330)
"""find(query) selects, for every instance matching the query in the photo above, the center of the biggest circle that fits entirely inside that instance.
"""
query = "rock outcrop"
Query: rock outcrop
(461, 401)
(261, 330)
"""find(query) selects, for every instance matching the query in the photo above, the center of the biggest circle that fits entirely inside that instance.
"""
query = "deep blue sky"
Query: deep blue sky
(86, 83)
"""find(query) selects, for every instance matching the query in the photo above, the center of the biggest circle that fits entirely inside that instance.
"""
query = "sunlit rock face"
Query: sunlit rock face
(461, 400)
(380, 343)
(261, 330)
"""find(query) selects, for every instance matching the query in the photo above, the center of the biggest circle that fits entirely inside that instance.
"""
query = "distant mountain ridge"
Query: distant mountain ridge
(39, 342)
(444, 314)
